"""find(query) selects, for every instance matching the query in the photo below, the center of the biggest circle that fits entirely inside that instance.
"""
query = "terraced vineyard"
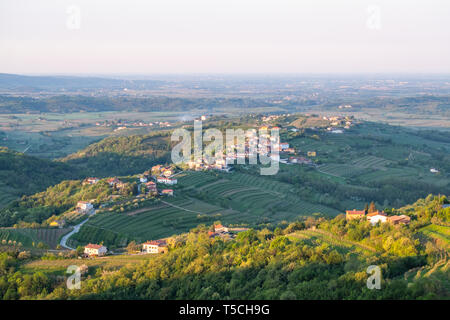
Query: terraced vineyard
(371, 162)
(163, 219)
(342, 170)
(263, 199)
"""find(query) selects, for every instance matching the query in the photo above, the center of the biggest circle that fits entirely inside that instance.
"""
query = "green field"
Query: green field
(317, 237)
(440, 233)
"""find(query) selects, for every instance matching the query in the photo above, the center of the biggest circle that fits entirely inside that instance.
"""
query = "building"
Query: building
(377, 216)
(151, 187)
(113, 181)
(155, 246)
(167, 172)
(143, 179)
(220, 228)
(84, 207)
(300, 160)
(433, 170)
(95, 250)
(167, 192)
(90, 180)
(402, 219)
(355, 214)
(167, 180)
(312, 154)
(57, 223)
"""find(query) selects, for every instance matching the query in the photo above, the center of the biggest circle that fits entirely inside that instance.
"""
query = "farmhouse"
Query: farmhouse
(90, 180)
(167, 192)
(355, 214)
(151, 187)
(167, 180)
(95, 250)
(300, 160)
(375, 217)
(220, 228)
(84, 207)
(155, 246)
(402, 219)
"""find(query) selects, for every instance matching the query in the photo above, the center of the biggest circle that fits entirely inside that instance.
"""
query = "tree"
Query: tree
(133, 247)
(372, 207)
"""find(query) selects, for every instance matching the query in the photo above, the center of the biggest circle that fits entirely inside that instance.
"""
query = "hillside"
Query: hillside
(122, 155)
(22, 174)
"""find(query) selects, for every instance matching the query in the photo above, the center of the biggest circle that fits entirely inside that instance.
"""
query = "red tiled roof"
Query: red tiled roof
(156, 242)
(93, 246)
(359, 212)
(375, 213)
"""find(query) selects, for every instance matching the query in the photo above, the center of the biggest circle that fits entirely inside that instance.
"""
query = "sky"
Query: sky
(224, 36)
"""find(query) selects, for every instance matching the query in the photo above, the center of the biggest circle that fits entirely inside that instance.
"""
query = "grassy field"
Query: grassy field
(439, 233)
(59, 267)
(317, 237)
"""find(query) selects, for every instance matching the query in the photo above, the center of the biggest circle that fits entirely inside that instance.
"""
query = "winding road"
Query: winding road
(64, 239)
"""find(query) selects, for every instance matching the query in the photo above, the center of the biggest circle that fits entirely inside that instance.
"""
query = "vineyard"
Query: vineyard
(27, 237)
(160, 220)
(263, 199)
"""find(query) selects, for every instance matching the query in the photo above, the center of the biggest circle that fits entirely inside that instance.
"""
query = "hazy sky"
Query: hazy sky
(217, 36)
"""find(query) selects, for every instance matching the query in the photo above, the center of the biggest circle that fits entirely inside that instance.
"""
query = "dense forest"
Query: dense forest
(22, 174)
(122, 155)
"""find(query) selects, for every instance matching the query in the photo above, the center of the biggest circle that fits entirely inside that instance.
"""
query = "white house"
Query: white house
(377, 218)
(95, 250)
(156, 246)
(85, 207)
(433, 170)
(143, 179)
(167, 180)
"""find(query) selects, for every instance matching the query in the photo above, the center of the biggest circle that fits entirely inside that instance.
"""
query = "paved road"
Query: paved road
(64, 239)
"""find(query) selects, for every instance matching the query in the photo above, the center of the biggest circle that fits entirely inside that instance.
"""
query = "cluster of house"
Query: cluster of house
(338, 122)
(154, 246)
(204, 164)
(377, 216)
(224, 232)
(163, 174)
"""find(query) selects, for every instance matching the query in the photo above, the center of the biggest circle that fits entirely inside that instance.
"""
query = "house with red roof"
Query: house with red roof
(92, 250)
(355, 214)
(155, 246)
